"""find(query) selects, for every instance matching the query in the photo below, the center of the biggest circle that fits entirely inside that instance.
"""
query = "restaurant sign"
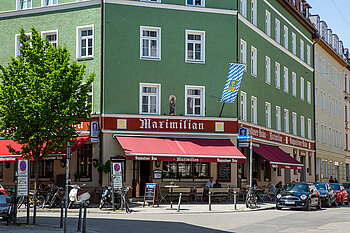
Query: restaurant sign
(256, 132)
(170, 124)
(185, 159)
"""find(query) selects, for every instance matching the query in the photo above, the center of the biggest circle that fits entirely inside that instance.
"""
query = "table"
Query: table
(171, 193)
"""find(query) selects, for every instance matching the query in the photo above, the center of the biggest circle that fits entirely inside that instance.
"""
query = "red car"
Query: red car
(2, 190)
(341, 194)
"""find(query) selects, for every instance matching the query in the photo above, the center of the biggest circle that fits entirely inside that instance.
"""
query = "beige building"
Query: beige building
(347, 118)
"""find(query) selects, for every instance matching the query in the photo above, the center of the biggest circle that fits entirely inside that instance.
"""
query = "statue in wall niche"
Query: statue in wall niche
(172, 105)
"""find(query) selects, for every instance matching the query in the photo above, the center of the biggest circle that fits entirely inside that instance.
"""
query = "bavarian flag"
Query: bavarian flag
(233, 82)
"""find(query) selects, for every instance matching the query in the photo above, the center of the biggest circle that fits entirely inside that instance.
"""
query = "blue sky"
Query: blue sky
(327, 10)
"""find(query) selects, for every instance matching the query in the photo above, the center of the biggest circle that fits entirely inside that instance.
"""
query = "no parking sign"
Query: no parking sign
(22, 177)
(117, 175)
(22, 167)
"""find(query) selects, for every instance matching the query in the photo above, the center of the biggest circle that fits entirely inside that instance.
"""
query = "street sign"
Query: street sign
(243, 144)
(22, 186)
(94, 129)
(244, 137)
(117, 175)
(243, 131)
(22, 167)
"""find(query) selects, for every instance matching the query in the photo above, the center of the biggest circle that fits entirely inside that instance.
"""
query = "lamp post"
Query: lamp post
(67, 184)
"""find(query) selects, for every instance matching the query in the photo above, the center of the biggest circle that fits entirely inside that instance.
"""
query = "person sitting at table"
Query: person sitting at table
(210, 183)
(279, 187)
(255, 182)
(272, 190)
(217, 184)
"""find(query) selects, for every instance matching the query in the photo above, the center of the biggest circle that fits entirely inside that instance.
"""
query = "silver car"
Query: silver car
(4, 205)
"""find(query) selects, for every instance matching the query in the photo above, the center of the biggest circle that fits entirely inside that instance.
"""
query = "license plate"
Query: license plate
(289, 202)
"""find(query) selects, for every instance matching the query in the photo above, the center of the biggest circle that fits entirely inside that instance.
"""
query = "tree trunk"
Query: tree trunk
(36, 171)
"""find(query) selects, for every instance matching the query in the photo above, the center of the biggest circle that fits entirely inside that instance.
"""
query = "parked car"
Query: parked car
(327, 194)
(4, 205)
(341, 194)
(2, 190)
(347, 187)
(299, 195)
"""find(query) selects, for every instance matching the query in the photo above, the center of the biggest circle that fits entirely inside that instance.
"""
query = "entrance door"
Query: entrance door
(287, 178)
(145, 167)
(302, 173)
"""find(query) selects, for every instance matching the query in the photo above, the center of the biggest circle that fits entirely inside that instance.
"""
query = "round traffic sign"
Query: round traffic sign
(117, 167)
(22, 166)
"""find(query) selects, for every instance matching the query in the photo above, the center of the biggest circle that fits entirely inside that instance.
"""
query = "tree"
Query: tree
(42, 96)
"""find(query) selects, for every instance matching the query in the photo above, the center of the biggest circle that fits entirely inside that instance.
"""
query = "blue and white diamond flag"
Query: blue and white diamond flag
(233, 82)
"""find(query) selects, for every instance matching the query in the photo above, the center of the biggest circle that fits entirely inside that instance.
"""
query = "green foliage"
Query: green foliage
(43, 95)
(105, 168)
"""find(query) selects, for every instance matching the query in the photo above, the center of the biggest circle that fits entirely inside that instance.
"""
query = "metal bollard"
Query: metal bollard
(209, 201)
(235, 199)
(178, 205)
(79, 219)
(61, 218)
(84, 220)
(34, 210)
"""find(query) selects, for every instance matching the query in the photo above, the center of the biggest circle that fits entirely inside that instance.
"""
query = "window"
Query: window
(330, 137)
(244, 8)
(309, 128)
(254, 117)
(294, 43)
(322, 134)
(268, 70)
(85, 42)
(326, 168)
(286, 120)
(330, 168)
(84, 165)
(302, 91)
(302, 50)
(316, 94)
(285, 75)
(178, 170)
(308, 86)
(278, 118)
(317, 132)
(49, 2)
(51, 36)
(149, 98)
(308, 55)
(268, 115)
(285, 36)
(1, 170)
(277, 75)
(302, 126)
(195, 46)
(268, 23)
(277, 31)
(195, 100)
(46, 169)
(294, 121)
(195, 3)
(329, 103)
(254, 12)
(23, 4)
(254, 61)
(150, 42)
(243, 52)
(310, 164)
(243, 106)
(325, 135)
(341, 140)
(294, 84)
(18, 44)
(90, 96)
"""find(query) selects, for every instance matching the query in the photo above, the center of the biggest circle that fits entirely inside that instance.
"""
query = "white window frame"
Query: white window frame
(278, 75)
(158, 95)
(44, 3)
(254, 14)
(294, 84)
(277, 31)
(268, 23)
(330, 138)
(45, 33)
(294, 122)
(78, 43)
(243, 9)
(254, 61)
(158, 39)
(285, 37)
(243, 52)
(278, 118)
(286, 120)
(194, 3)
(268, 115)
(341, 139)
(18, 5)
(202, 42)
(254, 110)
(302, 126)
(316, 95)
(308, 90)
(243, 106)
(294, 43)
(308, 55)
(302, 50)
(267, 70)
(285, 78)
(202, 106)
(18, 44)
(317, 132)
(302, 88)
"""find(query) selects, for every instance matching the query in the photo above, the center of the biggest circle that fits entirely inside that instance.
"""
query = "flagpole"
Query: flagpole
(222, 108)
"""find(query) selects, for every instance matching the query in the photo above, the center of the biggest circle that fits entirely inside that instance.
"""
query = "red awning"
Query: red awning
(277, 157)
(5, 155)
(180, 149)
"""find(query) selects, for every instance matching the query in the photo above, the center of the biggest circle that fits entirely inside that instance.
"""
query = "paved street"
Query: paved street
(325, 220)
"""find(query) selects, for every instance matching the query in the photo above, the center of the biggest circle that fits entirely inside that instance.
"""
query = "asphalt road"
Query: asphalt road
(336, 219)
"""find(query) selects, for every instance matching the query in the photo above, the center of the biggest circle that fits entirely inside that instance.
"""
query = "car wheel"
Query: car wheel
(335, 203)
(319, 205)
(329, 203)
(278, 208)
(308, 205)
(342, 201)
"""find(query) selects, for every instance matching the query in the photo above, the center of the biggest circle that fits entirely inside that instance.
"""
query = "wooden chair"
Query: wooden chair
(185, 193)
(199, 194)
(220, 193)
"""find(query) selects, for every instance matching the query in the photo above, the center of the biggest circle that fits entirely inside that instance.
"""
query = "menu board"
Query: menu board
(224, 172)
(150, 193)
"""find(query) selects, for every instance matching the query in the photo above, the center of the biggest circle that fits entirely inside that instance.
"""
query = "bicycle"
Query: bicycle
(39, 200)
(251, 201)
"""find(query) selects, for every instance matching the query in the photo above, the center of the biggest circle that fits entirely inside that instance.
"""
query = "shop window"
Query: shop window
(185, 170)
(279, 172)
(45, 169)
(1, 170)
(84, 165)
(295, 152)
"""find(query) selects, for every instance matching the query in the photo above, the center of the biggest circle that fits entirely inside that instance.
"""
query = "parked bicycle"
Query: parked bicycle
(252, 199)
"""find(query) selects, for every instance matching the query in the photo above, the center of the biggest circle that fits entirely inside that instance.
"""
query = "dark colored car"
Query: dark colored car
(341, 194)
(4, 205)
(299, 195)
(327, 194)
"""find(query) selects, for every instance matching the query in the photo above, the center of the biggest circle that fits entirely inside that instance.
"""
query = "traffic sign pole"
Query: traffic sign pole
(67, 185)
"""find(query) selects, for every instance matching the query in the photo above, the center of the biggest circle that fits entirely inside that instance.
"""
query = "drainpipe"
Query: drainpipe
(101, 92)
